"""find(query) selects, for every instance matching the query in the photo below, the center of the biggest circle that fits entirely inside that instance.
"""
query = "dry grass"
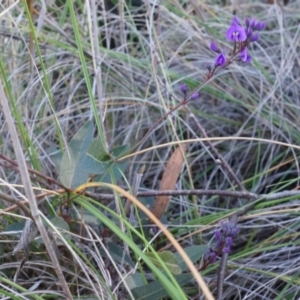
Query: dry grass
(132, 85)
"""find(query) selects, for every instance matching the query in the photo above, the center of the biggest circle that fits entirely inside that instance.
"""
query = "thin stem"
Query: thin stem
(217, 154)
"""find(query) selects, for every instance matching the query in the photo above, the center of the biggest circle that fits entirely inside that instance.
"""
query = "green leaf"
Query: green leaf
(155, 290)
(18, 226)
(134, 280)
(118, 255)
(193, 252)
(168, 258)
(99, 162)
(59, 223)
(72, 172)
(55, 155)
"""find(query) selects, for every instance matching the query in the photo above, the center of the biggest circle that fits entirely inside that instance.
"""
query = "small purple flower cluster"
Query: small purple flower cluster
(184, 90)
(223, 242)
(241, 36)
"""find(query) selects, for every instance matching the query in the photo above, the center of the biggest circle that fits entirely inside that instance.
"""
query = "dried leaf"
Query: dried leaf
(169, 180)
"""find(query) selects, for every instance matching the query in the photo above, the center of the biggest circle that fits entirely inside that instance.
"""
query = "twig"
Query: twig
(216, 152)
(234, 194)
(47, 180)
(17, 202)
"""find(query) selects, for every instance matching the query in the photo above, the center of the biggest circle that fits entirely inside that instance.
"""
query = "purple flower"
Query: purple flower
(183, 88)
(228, 244)
(249, 32)
(223, 242)
(208, 66)
(236, 33)
(254, 37)
(247, 22)
(252, 23)
(228, 241)
(229, 229)
(235, 21)
(195, 96)
(260, 26)
(220, 60)
(218, 235)
(226, 250)
(214, 48)
(244, 56)
(210, 256)
(213, 257)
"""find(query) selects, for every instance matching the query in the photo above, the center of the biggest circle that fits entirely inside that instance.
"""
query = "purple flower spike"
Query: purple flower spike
(214, 48)
(220, 60)
(195, 96)
(183, 88)
(244, 56)
(236, 33)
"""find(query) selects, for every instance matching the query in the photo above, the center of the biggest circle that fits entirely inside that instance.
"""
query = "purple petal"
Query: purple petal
(236, 33)
(235, 22)
(260, 26)
(213, 257)
(249, 32)
(254, 37)
(252, 23)
(213, 47)
(249, 59)
(218, 235)
(247, 21)
(195, 96)
(228, 241)
(243, 54)
(183, 88)
(226, 250)
(234, 231)
(220, 60)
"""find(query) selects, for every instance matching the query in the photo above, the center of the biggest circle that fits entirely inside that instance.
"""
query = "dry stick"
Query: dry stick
(16, 202)
(35, 172)
(233, 194)
(29, 191)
